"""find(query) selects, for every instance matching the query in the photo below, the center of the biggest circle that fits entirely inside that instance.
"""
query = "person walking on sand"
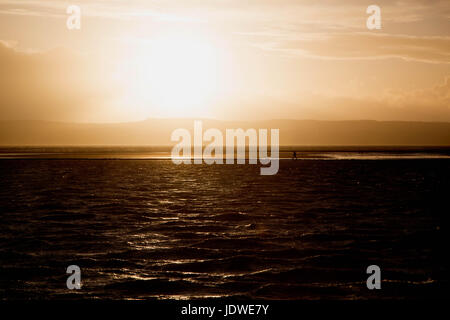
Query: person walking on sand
(294, 155)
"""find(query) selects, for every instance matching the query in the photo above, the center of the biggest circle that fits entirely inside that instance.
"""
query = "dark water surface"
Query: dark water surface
(152, 229)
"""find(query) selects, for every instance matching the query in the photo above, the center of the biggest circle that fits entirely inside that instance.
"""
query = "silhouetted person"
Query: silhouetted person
(294, 155)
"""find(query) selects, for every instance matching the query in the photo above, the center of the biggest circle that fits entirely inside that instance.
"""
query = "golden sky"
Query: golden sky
(225, 59)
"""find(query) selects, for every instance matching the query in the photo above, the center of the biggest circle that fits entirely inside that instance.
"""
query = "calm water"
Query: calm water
(151, 229)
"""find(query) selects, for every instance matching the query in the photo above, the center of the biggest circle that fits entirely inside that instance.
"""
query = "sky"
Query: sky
(224, 59)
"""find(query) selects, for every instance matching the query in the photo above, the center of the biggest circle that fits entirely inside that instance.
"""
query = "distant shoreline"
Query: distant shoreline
(157, 132)
(286, 153)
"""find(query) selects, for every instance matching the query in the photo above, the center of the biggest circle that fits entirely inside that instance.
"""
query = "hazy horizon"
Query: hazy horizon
(215, 119)
(157, 132)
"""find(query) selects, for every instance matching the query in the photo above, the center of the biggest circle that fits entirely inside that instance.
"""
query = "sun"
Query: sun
(172, 76)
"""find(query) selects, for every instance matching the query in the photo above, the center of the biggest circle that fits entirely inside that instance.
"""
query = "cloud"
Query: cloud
(325, 12)
(427, 104)
(122, 10)
(432, 49)
(436, 97)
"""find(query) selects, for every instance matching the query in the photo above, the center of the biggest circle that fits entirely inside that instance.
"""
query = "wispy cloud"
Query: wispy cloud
(358, 45)
(123, 10)
(328, 13)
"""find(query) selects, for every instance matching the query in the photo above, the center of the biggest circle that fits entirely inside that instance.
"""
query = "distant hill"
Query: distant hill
(292, 132)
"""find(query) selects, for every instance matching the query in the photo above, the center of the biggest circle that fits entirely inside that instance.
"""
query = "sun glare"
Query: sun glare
(172, 76)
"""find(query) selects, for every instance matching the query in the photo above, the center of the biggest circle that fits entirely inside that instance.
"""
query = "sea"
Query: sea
(141, 227)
